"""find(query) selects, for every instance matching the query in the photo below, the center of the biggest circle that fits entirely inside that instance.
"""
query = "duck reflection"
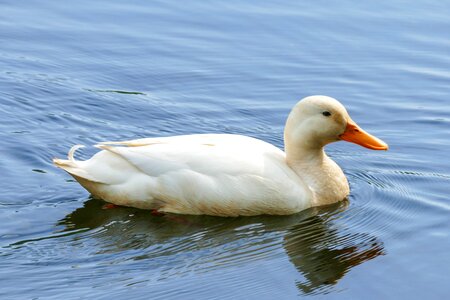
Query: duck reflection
(323, 255)
(321, 251)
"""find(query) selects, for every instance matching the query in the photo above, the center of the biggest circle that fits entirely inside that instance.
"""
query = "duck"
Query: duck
(227, 175)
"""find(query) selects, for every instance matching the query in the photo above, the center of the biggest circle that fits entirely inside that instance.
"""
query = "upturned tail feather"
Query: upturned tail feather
(70, 162)
(71, 166)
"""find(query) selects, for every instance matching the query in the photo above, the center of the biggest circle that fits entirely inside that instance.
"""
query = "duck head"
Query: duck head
(316, 121)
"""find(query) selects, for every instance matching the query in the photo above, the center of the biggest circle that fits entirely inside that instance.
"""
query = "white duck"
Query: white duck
(224, 174)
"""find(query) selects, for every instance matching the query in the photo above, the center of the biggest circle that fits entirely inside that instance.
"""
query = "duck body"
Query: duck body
(213, 174)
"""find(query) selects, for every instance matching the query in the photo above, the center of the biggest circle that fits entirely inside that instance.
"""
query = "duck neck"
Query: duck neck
(323, 176)
(296, 156)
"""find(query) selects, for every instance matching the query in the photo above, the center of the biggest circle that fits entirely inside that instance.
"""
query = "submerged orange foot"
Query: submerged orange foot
(109, 206)
(157, 213)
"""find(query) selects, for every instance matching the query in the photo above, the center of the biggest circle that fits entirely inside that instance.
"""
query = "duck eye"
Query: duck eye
(326, 113)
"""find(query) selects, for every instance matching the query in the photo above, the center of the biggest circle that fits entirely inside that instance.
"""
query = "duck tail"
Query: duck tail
(70, 162)
(75, 168)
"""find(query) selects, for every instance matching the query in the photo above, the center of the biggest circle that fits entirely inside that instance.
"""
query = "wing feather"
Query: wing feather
(206, 154)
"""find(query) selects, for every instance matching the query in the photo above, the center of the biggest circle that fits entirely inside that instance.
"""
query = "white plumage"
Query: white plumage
(221, 174)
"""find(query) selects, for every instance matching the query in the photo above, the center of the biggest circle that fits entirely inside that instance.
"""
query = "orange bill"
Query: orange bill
(354, 134)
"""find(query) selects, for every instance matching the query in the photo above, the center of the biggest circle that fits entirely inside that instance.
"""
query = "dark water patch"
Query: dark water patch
(116, 91)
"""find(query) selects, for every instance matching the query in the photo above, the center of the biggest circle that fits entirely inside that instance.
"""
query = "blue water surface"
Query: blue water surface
(89, 71)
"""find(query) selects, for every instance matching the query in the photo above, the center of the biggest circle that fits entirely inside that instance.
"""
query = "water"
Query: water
(110, 70)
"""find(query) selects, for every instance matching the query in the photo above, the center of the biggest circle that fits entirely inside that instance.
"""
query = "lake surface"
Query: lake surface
(86, 72)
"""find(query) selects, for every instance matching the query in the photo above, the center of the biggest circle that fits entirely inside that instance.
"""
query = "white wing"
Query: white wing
(209, 154)
(214, 174)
